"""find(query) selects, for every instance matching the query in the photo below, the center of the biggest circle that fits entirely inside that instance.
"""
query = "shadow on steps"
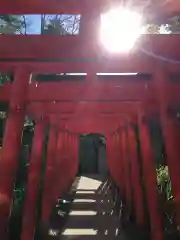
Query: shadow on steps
(53, 227)
(60, 218)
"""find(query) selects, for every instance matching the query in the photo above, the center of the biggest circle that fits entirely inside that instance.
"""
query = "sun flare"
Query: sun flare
(120, 28)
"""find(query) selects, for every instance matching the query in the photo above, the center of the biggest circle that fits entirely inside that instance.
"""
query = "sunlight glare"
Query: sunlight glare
(120, 28)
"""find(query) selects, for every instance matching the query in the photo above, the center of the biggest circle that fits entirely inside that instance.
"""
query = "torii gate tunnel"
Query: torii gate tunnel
(109, 104)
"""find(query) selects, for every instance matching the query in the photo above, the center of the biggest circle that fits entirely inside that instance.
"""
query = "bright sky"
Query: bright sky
(163, 30)
(33, 22)
(34, 26)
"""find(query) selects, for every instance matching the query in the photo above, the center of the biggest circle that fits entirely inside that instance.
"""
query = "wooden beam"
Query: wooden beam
(93, 126)
(80, 48)
(93, 91)
(81, 107)
(99, 91)
(169, 8)
(79, 117)
(140, 64)
(86, 91)
(94, 116)
(50, 7)
(163, 9)
(103, 66)
(96, 122)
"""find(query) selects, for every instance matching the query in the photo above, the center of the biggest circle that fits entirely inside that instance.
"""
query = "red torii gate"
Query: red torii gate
(74, 106)
(18, 55)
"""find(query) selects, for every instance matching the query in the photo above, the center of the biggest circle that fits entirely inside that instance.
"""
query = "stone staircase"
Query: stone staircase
(91, 215)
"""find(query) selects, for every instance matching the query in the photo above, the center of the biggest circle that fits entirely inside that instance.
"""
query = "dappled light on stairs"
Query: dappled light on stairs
(91, 214)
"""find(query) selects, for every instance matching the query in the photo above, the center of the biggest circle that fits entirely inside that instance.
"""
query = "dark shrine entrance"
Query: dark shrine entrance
(92, 154)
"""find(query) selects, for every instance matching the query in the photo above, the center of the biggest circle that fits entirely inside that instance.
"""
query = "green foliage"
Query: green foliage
(2, 124)
(2, 115)
(153, 29)
(164, 182)
(54, 26)
(11, 24)
(60, 24)
(167, 202)
(21, 181)
(19, 195)
(5, 78)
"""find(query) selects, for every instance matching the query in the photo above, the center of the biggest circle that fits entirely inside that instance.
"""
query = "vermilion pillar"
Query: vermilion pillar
(135, 176)
(72, 159)
(125, 159)
(150, 178)
(121, 162)
(67, 173)
(66, 163)
(62, 169)
(117, 163)
(12, 142)
(113, 156)
(76, 153)
(66, 146)
(109, 147)
(171, 133)
(49, 175)
(34, 176)
(58, 170)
